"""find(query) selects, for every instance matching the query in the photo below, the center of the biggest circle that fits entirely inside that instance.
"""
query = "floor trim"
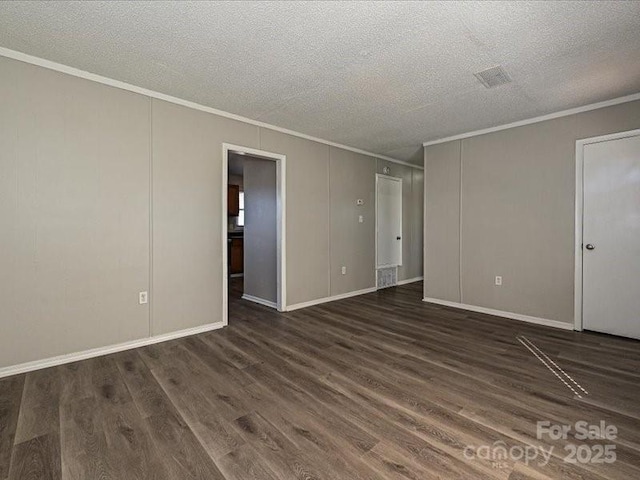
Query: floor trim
(410, 280)
(318, 301)
(499, 313)
(97, 352)
(261, 301)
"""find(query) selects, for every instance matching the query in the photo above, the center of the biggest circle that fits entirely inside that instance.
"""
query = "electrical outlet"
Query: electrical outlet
(143, 298)
(360, 218)
(344, 270)
(498, 280)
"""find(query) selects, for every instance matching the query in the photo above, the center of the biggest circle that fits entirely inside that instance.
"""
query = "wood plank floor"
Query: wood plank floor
(380, 386)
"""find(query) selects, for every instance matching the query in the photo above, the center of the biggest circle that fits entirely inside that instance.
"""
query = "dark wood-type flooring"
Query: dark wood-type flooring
(372, 387)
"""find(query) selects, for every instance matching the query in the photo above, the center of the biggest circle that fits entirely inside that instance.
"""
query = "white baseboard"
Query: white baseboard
(97, 352)
(261, 301)
(499, 313)
(333, 298)
(342, 296)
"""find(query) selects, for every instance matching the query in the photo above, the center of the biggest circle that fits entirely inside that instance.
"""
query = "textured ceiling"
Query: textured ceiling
(382, 76)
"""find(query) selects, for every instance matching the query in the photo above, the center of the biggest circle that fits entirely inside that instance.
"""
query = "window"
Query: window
(240, 222)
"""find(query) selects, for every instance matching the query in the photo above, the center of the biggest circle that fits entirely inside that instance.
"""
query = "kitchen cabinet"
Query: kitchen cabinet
(233, 200)
(236, 255)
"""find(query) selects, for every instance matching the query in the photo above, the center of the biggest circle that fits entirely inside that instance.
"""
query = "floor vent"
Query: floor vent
(387, 277)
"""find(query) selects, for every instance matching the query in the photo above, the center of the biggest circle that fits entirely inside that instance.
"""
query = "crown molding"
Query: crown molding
(529, 121)
(58, 67)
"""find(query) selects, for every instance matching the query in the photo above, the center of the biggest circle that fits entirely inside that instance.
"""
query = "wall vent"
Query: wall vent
(493, 77)
(387, 277)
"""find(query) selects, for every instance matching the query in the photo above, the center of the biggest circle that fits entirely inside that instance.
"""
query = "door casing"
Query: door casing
(281, 219)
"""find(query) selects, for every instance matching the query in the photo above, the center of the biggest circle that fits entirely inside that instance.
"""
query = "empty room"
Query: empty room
(315, 240)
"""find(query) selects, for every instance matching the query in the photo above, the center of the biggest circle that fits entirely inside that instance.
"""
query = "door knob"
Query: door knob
(589, 246)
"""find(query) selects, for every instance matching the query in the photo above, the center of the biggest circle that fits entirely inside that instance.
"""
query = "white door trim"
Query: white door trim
(580, 144)
(281, 216)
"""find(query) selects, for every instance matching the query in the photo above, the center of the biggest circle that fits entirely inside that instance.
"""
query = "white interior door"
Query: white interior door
(611, 237)
(388, 221)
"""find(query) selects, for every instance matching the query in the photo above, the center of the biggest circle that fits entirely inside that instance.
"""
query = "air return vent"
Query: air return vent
(387, 277)
(493, 77)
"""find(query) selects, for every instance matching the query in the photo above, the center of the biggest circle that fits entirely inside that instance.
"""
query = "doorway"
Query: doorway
(388, 229)
(253, 226)
(608, 234)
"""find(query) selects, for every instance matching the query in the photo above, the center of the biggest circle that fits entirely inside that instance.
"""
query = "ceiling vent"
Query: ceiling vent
(493, 77)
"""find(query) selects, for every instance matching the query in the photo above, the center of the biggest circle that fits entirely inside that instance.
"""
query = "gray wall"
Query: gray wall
(442, 222)
(260, 230)
(352, 177)
(503, 204)
(105, 193)
(416, 225)
(187, 205)
(307, 214)
(74, 214)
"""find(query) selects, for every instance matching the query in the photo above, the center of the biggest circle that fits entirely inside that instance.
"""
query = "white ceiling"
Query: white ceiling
(383, 77)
